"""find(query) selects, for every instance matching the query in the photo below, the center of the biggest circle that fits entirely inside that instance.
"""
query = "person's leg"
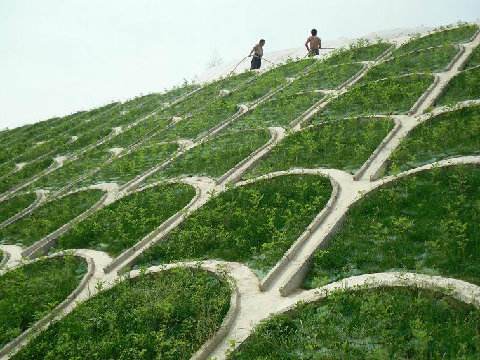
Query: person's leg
(252, 64)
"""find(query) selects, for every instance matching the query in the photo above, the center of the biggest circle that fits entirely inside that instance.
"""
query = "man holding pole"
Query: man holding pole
(257, 53)
(315, 44)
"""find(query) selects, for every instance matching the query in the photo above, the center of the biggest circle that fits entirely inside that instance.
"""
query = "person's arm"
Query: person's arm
(306, 44)
(320, 43)
(251, 52)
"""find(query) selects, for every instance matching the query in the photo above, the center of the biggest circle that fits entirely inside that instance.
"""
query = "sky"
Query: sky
(58, 56)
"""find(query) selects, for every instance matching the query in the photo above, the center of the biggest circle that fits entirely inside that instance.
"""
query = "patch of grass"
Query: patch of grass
(122, 224)
(26, 173)
(427, 223)
(425, 61)
(200, 122)
(385, 323)
(326, 77)
(279, 111)
(13, 206)
(474, 59)
(48, 217)
(254, 224)
(464, 86)
(457, 35)
(344, 144)
(357, 52)
(127, 167)
(215, 157)
(451, 134)
(390, 96)
(31, 291)
(71, 170)
(168, 315)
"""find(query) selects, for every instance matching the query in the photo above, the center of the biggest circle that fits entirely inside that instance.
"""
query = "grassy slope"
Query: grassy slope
(395, 323)
(163, 316)
(14, 205)
(215, 157)
(389, 96)
(30, 292)
(357, 52)
(23, 175)
(255, 224)
(48, 217)
(126, 221)
(425, 61)
(344, 144)
(450, 36)
(451, 134)
(427, 223)
(464, 86)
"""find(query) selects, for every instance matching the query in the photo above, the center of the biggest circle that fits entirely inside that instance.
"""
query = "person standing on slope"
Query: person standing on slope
(257, 53)
(315, 44)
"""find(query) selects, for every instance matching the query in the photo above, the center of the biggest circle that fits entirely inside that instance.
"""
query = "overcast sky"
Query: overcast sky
(60, 56)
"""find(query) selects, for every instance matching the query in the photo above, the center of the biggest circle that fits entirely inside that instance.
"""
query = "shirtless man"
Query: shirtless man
(257, 53)
(315, 44)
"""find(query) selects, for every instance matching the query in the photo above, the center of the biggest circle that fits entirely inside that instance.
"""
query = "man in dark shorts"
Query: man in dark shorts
(257, 53)
(315, 44)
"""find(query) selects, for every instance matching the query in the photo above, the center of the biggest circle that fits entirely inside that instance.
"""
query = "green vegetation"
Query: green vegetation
(450, 134)
(26, 173)
(199, 123)
(390, 96)
(122, 224)
(474, 59)
(428, 223)
(72, 170)
(255, 224)
(457, 35)
(357, 52)
(280, 111)
(127, 167)
(168, 315)
(31, 291)
(215, 157)
(395, 323)
(13, 206)
(48, 217)
(424, 61)
(326, 77)
(464, 86)
(344, 144)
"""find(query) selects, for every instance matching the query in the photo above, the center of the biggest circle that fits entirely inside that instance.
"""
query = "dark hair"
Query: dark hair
(262, 40)
(314, 32)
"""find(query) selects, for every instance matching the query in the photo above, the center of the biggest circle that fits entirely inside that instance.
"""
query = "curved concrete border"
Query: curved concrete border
(21, 340)
(130, 254)
(379, 148)
(40, 199)
(283, 263)
(235, 173)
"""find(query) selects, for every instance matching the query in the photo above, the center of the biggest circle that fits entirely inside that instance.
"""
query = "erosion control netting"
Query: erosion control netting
(168, 315)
